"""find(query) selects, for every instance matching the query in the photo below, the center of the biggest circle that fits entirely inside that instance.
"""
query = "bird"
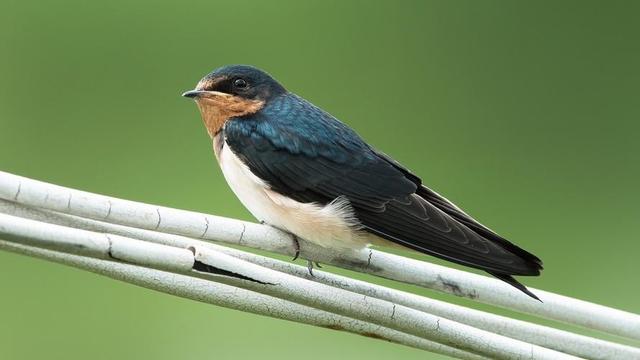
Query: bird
(299, 169)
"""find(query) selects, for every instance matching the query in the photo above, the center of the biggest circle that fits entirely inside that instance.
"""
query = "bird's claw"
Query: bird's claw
(296, 243)
(296, 247)
(310, 267)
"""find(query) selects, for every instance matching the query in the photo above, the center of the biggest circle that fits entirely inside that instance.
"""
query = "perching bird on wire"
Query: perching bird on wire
(298, 168)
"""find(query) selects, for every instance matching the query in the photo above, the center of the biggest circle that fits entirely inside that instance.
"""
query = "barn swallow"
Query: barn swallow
(298, 168)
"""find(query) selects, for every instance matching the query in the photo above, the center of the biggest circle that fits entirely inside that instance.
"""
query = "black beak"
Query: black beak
(193, 94)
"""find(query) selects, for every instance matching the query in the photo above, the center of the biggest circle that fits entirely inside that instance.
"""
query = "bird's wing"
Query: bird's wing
(459, 215)
(306, 154)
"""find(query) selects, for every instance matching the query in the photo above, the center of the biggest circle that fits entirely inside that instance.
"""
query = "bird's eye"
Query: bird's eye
(240, 83)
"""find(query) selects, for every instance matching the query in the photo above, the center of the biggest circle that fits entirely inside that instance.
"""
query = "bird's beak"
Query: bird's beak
(204, 94)
(193, 94)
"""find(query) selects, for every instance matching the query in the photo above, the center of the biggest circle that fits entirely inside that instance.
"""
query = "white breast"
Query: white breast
(332, 225)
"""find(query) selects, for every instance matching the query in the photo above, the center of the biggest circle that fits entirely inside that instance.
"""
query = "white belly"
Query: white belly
(331, 226)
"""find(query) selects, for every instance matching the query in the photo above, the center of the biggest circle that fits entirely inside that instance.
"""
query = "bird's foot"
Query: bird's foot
(296, 243)
(310, 267)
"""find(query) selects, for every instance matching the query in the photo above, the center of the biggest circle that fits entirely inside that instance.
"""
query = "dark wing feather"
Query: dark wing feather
(306, 154)
(452, 210)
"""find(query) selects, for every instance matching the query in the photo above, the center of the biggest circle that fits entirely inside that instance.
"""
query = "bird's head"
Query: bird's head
(233, 91)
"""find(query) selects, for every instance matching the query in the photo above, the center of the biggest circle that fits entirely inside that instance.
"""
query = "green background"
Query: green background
(527, 114)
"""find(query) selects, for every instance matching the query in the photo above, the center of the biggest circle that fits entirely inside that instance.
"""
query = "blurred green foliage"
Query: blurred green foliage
(525, 113)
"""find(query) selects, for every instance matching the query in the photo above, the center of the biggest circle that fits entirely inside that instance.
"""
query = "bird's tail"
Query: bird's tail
(513, 282)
